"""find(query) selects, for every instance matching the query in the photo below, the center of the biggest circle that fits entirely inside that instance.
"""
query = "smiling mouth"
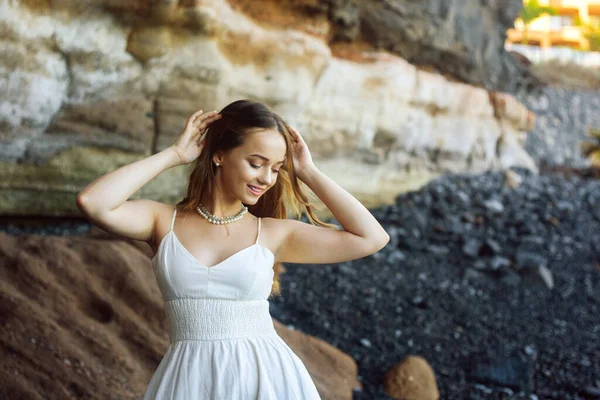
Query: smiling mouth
(255, 190)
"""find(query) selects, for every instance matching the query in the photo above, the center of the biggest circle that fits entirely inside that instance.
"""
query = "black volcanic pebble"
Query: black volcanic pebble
(460, 283)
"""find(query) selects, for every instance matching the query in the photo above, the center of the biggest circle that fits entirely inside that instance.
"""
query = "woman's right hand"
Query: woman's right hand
(190, 143)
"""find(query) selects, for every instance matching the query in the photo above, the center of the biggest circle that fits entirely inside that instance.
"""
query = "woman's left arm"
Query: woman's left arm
(307, 243)
(350, 213)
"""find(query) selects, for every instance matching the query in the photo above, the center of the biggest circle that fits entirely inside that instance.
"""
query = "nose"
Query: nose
(266, 178)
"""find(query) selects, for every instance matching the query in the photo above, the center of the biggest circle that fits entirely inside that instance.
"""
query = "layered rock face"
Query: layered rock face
(464, 38)
(88, 88)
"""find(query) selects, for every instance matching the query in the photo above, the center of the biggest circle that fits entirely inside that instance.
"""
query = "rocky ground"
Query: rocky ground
(563, 118)
(498, 288)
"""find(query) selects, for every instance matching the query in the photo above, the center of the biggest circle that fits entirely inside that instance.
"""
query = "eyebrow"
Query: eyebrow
(264, 158)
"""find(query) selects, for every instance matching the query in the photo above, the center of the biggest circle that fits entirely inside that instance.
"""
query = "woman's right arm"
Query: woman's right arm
(104, 200)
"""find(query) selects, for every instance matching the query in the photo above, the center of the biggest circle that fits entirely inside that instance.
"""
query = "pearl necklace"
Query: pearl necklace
(221, 220)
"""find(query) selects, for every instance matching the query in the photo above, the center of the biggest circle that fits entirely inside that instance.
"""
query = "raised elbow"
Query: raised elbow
(80, 200)
(82, 203)
(386, 240)
(382, 242)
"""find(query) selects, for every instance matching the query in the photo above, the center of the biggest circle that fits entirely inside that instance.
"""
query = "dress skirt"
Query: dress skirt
(224, 349)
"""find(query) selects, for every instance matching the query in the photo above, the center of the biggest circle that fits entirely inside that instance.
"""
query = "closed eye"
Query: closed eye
(258, 166)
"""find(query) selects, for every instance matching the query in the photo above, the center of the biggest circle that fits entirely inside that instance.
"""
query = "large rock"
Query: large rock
(334, 372)
(411, 379)
(110, 87)
(463, 38)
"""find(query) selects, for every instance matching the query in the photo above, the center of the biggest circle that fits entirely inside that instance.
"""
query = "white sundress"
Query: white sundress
(223, 345)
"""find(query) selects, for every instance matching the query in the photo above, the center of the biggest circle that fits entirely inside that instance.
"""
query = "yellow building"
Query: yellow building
(560, 29)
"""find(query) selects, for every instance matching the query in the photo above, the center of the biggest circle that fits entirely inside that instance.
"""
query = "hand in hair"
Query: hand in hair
(301, 155)
(190, 143)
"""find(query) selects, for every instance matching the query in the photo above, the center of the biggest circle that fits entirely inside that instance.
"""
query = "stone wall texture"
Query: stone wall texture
(90, 86)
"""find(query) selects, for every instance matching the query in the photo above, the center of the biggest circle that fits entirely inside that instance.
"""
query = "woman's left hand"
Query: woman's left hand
(302, 158)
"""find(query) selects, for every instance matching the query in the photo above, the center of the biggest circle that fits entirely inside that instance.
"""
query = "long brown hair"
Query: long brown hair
(231, 131)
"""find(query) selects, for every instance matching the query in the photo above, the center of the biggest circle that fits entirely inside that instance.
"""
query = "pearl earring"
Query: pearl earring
(217, 164)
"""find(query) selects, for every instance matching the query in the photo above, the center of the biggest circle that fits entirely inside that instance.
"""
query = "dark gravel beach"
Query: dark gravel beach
(465, 282)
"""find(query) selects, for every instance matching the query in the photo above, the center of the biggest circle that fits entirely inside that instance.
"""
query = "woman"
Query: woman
(219, 250)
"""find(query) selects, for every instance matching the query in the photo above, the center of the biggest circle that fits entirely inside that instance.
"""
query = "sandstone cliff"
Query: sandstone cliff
(89, 87)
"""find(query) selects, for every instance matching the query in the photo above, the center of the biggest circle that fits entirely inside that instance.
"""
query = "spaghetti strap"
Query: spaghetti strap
(173, 221)
(258, 235)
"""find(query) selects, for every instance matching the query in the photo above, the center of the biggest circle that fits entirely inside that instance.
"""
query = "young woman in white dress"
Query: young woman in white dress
(232, 234)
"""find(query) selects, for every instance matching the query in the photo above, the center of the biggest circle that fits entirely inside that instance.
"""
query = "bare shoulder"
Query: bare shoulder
(274, 225)
(165, 208)
(277, 227)
(275, 233)
(281, 228)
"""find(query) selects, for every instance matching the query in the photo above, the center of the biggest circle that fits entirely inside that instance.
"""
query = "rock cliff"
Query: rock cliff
(90, 87)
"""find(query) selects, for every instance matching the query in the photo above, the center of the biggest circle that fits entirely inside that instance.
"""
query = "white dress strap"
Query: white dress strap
(258, 235)
(173, 221)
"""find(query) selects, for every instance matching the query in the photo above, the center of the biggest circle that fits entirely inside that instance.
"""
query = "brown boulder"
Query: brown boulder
(333, 371)
(412, 379)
